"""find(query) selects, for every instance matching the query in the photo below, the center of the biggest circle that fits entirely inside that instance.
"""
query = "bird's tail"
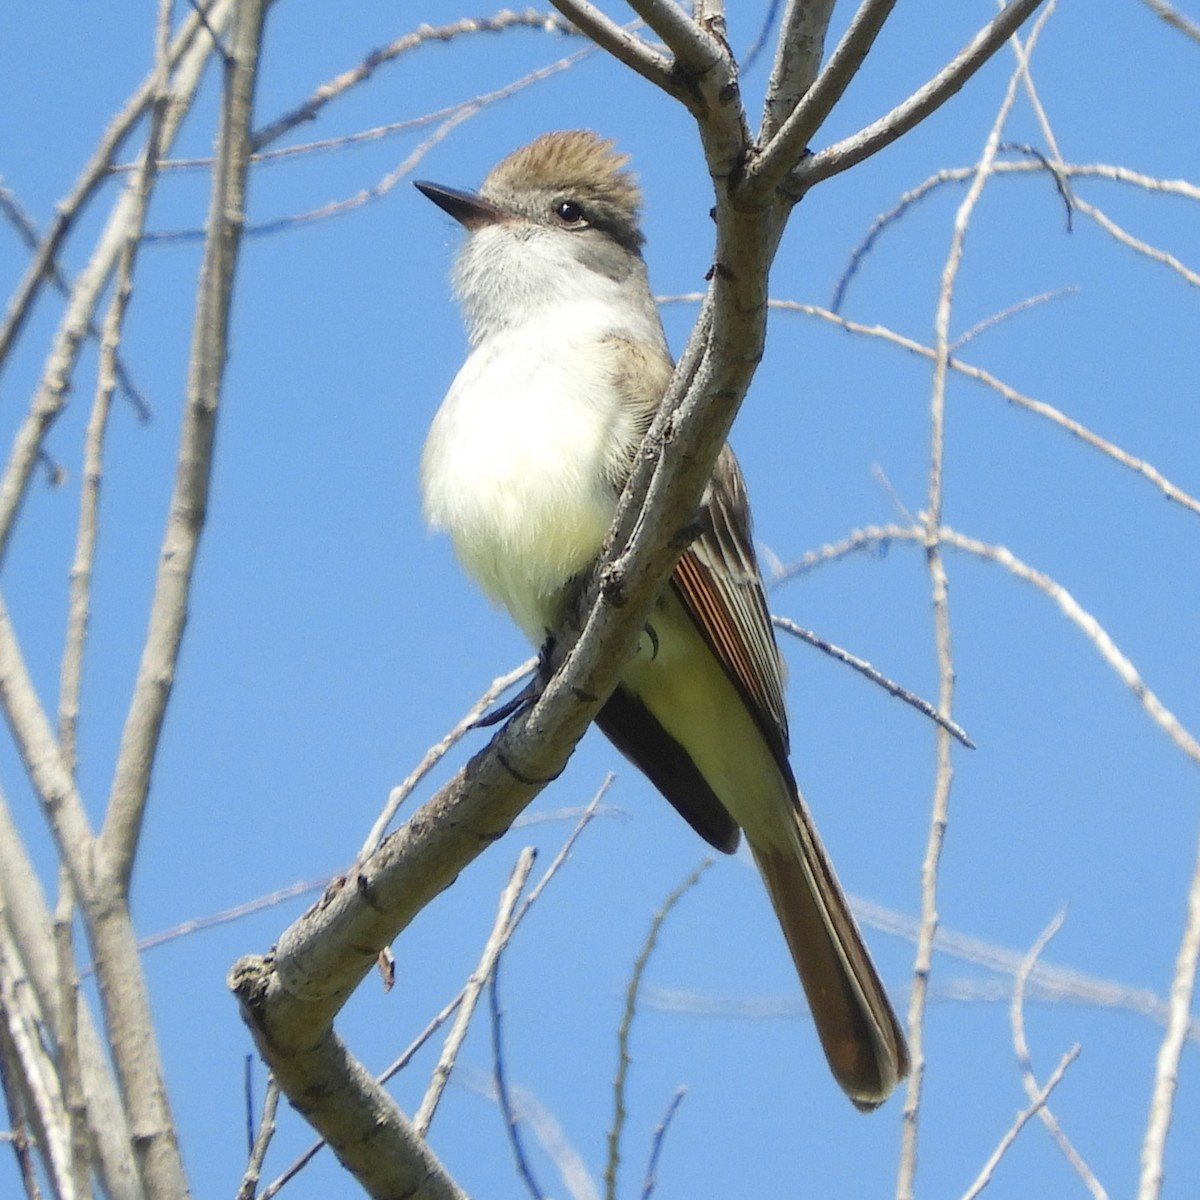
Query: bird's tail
(859, 1031)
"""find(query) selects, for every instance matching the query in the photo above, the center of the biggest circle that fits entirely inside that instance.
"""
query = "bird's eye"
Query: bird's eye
(569, 213)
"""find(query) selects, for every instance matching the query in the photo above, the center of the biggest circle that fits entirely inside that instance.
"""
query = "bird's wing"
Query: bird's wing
(721, 587)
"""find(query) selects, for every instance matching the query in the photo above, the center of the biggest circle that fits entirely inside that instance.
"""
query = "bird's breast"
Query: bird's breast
(513, 468)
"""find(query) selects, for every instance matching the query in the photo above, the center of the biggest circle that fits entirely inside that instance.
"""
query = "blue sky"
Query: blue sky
(332, 639)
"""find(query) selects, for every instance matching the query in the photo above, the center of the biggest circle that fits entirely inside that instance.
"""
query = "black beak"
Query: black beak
(468, 209)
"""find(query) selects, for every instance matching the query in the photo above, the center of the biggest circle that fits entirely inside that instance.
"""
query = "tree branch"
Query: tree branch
(809, 113)
(1170, 1052)
(624, 46)
(51, 396)
(189, 499)
(926, 100)
(696, 50)
(92, 176)
(28, 918)
(798, 54)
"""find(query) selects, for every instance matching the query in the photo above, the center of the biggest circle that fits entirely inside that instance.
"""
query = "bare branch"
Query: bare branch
(939, 589)
(1022, 1119)
(31, 1080)
(189, 500)
(422, 35)
(14, 1101)
(93, 174)
(623, 45)
(500, 1080)
(44, 763)
(1175, 18)
(1155, 709)
(1170, 1053)
(695, 48)
(449, 119)
(863, 667)
(32, 930)
(1077, 202)
(784, 150)
(927, 99)
(437, 752)
(55, 384)
(798, 53)
(660, 1138)
(248, 1188)
(66, 1024)
(27, 230)
(626, 1026)
(484, 971)
(79, 599)
(1039, 407)
(1025, 1062)
(1107, 171)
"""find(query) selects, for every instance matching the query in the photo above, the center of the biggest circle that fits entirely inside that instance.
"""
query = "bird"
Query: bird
(523, 467)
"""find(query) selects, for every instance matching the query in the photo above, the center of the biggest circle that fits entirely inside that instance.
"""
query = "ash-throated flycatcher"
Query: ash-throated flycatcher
(523, 467)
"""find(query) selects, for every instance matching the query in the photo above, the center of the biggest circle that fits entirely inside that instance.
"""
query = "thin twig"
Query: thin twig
(565, 849)
(474, 986)
(939, 589)
(71, 334)
(1170, 1052)
(189, 498)
(1016, 1012)
(626, 1027)
(1011, 311)
(512, 1126)
(334, 88)
(262, 1141)
(659, 1140)
(1101, 218)
(1022, 1119)
(871, 536)
(437, 752)
(27, 230)
(1173, 17)
(1148, 471)
(196, 924)
(79, 595)
(875, 676)
(1183, 188)
(1154, 708)
(90, 178)
(450, 119)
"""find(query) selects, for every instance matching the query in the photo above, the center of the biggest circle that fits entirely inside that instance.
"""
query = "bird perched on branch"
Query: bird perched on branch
(523, 467)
